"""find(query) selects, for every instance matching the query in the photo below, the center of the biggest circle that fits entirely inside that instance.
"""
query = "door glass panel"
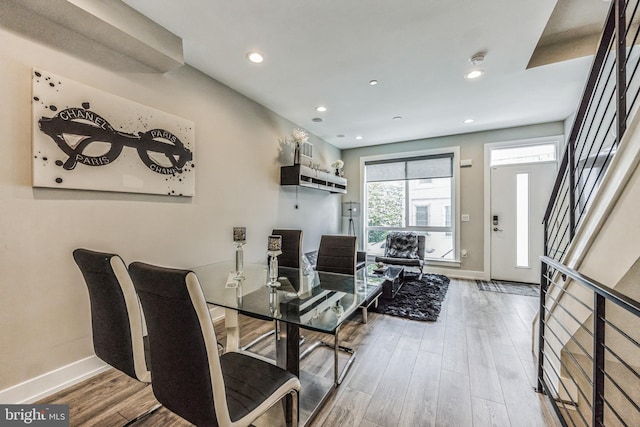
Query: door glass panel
(522, 220)
(523, 154)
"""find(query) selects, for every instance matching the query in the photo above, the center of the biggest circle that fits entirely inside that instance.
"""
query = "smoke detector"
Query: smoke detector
(477, 59)
(476, 72)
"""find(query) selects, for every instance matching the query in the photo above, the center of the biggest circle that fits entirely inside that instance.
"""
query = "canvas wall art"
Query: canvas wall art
(85, 138)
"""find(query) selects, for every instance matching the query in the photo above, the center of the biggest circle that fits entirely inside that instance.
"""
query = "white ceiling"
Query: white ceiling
(325, 53)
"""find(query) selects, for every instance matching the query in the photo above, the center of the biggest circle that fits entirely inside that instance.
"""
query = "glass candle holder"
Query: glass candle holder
(275, 243)
(239, 234)
(274, 303)
(274, 248)
(239, 239)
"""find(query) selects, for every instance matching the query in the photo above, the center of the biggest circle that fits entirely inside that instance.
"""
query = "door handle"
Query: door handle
(496, 229)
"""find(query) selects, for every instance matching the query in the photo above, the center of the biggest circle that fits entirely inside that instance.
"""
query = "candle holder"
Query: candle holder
(239, 239)
(274, 302)
(274, 249)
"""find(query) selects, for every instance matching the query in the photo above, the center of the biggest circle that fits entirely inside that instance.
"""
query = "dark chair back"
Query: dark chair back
(337, 254)
(401, 236)
(180, 352)
(291, 247)
(116, 319)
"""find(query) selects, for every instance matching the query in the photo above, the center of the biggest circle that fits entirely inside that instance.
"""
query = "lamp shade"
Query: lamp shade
(351, 209)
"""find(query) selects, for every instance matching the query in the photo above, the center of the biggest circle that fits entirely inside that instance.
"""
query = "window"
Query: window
(524, 154)
(411, 194)
(422, 215)
(447, 216)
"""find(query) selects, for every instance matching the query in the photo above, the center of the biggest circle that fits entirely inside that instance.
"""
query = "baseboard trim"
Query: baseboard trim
(217, 313)
(38, 388)
(458, 274)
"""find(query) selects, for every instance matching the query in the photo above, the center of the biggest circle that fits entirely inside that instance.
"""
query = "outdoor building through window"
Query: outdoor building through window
(411, 194)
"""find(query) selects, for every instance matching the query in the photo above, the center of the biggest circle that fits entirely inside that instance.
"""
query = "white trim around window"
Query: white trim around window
(455, 200)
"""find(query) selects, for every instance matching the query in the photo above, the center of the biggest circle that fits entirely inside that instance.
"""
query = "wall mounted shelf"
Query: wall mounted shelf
(304, 176)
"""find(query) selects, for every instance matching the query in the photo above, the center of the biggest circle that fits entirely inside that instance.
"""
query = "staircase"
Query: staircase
(588, 334)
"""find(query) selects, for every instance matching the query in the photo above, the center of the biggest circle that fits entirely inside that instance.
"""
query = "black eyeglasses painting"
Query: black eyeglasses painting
(90, 128)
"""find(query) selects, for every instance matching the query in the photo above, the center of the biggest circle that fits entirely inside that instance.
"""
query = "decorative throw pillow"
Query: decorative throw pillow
(309, 260)
(402, 244)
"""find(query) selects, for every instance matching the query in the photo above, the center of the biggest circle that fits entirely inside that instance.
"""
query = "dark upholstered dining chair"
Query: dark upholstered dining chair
(116, 318)
(291, 247)
(190, 378)
(337, 254)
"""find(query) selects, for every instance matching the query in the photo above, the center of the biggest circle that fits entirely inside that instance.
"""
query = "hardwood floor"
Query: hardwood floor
(473, 367)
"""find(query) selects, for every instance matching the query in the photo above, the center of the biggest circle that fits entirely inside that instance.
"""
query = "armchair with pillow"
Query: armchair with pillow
(404, 248)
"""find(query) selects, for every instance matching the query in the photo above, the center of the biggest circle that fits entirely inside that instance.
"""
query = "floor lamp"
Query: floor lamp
(351, 210)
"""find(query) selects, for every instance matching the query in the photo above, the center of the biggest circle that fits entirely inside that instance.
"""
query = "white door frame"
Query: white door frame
(558, 139)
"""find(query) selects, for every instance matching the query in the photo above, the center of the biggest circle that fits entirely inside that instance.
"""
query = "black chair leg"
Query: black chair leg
(145, 415)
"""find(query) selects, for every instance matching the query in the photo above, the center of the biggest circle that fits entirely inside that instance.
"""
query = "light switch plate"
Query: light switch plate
(465, 218)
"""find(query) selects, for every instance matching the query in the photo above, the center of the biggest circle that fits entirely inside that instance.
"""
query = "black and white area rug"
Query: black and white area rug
(417, 299)
(516, 288)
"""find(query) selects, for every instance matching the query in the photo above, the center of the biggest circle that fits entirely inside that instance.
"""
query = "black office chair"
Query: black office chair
(189, 376)
(291, 257)
(116, 319)
(336, 254)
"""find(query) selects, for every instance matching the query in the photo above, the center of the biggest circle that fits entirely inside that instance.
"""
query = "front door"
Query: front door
(519, 197)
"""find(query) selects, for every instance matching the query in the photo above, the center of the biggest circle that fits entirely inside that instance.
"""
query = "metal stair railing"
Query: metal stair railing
(609, 98)
(592, 380)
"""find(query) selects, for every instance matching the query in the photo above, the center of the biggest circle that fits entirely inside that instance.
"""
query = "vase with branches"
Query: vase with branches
(298, 137)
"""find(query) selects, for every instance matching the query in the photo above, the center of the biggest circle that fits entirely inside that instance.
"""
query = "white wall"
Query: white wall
(471, 185)
(45, 313)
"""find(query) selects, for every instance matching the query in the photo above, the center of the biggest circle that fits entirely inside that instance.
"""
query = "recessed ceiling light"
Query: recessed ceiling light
(397, 118)
(359, 137)
(317, 120)
(321, 108)
(373, 82)
(340, 135)
(473, 74)
(255, 57)
(467, 121)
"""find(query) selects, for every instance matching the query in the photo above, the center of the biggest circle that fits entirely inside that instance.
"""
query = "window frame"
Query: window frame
(455, 201)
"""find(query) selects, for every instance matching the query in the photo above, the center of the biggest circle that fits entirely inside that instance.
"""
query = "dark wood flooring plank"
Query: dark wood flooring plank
(163, 418)
(138, 404)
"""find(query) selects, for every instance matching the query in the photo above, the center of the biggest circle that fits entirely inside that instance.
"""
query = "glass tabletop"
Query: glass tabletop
(314, 300)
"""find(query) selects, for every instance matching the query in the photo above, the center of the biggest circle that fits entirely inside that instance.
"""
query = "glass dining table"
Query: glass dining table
(311, 300)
